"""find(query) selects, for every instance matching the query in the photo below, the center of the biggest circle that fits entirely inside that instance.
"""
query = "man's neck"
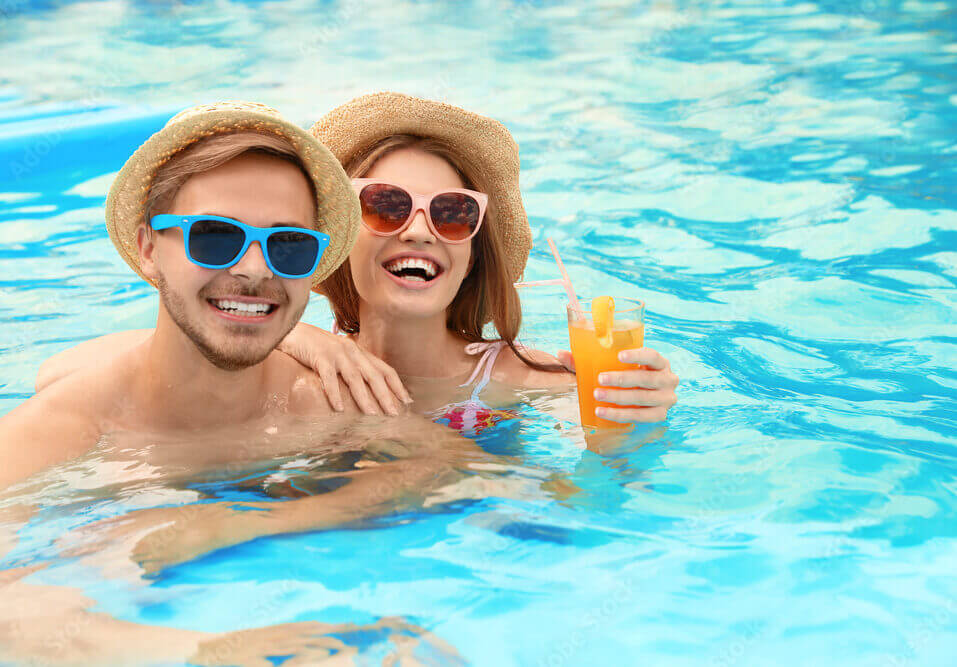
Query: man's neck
(420, 347)
(185, 390)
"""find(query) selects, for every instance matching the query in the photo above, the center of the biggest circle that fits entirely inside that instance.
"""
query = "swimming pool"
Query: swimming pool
(775, 180)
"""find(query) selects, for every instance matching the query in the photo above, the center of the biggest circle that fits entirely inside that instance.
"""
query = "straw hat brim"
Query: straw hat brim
(337, 206)
(354, 127)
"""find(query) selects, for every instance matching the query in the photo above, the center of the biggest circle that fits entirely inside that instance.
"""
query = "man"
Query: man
(233, 214)
(210, 362)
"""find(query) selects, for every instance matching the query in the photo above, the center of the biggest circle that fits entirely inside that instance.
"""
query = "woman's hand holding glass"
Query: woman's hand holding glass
(651, 387)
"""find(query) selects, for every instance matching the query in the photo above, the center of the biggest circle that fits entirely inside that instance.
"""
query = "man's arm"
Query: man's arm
(407, 458)
(56, 625)
(53, 625)
(191, 531)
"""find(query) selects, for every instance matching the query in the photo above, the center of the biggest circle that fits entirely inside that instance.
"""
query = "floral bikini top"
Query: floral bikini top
(472, 416)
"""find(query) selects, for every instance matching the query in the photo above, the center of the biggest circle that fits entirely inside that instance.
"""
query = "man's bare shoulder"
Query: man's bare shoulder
(61, 422)
(44, 430)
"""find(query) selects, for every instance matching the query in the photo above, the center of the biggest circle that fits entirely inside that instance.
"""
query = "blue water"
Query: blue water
(777, 181)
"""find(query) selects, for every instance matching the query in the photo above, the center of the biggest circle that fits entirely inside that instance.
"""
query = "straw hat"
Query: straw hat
(355, 126)
(337, 206)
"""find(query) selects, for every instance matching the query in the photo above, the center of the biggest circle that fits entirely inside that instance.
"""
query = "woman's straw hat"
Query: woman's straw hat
(337, 206)
(354, 127)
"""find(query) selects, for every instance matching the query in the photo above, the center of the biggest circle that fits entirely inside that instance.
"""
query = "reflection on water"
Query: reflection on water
(776, 182)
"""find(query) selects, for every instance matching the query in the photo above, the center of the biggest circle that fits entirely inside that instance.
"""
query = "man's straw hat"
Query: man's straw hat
(354, 127)
(337, 206)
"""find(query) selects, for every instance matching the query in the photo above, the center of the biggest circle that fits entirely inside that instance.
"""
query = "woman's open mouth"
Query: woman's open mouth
(413, 269)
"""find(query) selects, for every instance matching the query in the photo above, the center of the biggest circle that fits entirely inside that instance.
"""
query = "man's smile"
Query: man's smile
(244, 308)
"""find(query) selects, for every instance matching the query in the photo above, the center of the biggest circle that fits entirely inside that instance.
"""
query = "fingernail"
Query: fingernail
(599, 395)
(393, 411)
(602, 379)
(339, 407)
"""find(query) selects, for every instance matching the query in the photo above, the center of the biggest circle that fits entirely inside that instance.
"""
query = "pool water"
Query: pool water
(776, 180)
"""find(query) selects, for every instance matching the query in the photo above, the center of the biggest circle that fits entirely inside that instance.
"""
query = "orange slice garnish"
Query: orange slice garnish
(603, 316)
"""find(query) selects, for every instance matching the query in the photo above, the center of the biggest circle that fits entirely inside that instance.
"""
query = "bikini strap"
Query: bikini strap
(489, 351)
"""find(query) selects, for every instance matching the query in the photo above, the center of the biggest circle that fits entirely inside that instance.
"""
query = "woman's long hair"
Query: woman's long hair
(485, 294)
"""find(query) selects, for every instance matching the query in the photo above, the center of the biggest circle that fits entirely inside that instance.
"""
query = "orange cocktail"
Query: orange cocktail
(595, 350)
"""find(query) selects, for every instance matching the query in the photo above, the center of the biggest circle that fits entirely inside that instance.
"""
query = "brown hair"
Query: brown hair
(485, 294)
(212, 152)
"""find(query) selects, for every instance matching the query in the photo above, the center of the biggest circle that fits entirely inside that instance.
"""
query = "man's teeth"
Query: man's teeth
(431, 268)
(241, 308)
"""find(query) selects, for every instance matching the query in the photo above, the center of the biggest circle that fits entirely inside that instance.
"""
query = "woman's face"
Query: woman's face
(387, 283)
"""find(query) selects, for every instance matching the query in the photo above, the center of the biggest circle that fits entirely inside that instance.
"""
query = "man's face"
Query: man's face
(258, 190)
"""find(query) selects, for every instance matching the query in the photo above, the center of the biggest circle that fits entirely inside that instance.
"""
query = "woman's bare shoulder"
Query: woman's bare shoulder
(510, 369)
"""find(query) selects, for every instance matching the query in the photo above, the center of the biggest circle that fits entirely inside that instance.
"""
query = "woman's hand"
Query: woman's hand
(374, 384)
(648, 393)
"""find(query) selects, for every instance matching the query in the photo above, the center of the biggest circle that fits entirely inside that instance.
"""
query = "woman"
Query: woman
(444, 237)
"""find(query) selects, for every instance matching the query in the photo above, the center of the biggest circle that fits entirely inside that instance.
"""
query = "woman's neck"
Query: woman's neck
(414, 347)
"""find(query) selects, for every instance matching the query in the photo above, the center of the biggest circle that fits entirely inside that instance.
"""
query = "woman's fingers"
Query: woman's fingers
(317, 349)
(392, 379)
(374, 385)
(359, 390)
(644, 356)
(633, 415)
(330, 382)
(647, 394)
(639, 378)
(380, 388)
(637, 397)
(375, 377)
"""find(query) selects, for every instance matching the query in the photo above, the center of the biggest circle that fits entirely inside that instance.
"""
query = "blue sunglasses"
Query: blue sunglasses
(215, 242)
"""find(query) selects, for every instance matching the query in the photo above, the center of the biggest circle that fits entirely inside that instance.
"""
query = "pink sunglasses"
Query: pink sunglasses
(453, 215)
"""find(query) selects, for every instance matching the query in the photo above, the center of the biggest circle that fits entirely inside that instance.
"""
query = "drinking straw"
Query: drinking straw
(541, 283)
(566, 281)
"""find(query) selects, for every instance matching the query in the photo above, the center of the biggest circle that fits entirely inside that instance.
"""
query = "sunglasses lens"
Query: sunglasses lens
(385, 208)
(215, 242)
(293, 253)
(455, 215)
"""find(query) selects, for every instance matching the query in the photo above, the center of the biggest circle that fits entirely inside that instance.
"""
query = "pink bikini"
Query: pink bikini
(472, 416)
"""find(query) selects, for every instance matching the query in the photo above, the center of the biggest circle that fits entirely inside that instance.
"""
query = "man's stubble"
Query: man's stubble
(229, 357)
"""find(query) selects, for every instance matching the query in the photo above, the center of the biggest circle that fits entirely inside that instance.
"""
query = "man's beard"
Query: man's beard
(236, 353)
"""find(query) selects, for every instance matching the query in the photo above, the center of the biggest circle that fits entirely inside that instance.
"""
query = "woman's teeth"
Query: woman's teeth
(416, 269)
(241, 308)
